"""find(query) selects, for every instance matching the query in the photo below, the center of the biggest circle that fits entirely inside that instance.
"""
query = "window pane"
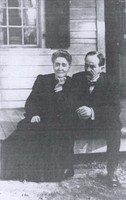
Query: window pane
(29, 3)
(14, 3)
(2, 3)
(15, 36)
(29, 17)
(3, 16)
(18, 22)
(14, 17)
(30, 36)
(3, 36)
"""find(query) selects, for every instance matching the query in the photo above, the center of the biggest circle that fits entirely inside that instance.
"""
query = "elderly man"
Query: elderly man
(96, 108)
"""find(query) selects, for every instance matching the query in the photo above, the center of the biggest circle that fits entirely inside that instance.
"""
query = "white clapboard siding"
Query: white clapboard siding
(82, 41)
(82, 3)
(83, 34)
(26, 59)
(81, 48)
(16, 83)
(26, 51)
(15, 95)
(82, 13)
(12, 104)
(82, 25)
(27, 71)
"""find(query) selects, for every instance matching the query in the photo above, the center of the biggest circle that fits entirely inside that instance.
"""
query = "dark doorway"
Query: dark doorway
(116, 41)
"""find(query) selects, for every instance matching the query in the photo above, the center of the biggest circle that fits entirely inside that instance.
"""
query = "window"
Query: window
(21, 23)
(18, 22)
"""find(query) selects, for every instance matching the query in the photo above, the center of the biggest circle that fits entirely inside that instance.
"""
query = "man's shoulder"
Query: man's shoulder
(108, 81)
(105, 75)
(108, 78)
(78, 75)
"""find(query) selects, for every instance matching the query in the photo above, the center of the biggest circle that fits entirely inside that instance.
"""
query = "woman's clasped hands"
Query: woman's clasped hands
(35, 119)
(58, 86)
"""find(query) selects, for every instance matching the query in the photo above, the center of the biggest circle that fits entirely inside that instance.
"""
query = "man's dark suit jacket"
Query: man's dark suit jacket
(104, 100)
(51, 106)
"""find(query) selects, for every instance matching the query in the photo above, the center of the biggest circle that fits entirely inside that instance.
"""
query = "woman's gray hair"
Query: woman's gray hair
(62, 53)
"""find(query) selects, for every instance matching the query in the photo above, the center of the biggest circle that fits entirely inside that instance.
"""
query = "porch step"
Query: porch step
(97, 145)
(94, 146)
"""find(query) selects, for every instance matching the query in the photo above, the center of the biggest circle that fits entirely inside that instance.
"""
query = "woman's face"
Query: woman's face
(61, 67)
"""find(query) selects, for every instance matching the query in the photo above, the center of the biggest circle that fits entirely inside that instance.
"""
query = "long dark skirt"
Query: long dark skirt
(37, 155)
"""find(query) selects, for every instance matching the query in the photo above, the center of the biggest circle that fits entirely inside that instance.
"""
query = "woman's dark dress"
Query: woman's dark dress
(41, 151)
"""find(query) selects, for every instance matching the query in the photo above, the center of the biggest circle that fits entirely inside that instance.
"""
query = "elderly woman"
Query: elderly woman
(43, 142)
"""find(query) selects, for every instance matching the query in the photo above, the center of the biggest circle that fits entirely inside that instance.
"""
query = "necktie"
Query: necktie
(91, 86)
(93, 83)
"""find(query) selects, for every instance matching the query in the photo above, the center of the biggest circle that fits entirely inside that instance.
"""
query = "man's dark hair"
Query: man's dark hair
(99, 55)
(62, 53)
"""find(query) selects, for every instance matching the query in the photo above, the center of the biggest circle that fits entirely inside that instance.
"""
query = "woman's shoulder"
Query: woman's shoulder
(45, 77)
(42, 80)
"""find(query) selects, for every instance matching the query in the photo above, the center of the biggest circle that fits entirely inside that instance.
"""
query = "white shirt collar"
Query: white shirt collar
(95, 80)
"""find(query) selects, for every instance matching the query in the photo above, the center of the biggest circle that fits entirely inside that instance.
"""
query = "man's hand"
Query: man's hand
(84, 112)
(35, 119)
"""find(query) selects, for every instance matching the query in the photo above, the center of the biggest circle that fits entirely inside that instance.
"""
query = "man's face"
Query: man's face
(92, 68)
(61, 67)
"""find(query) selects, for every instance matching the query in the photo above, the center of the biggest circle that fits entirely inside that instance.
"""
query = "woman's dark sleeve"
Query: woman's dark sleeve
(34, 104)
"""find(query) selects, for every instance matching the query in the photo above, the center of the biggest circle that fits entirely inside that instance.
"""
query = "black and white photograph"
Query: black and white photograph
(63, 99)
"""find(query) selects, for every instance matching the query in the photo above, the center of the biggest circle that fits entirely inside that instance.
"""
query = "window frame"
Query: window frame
(38, 28)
